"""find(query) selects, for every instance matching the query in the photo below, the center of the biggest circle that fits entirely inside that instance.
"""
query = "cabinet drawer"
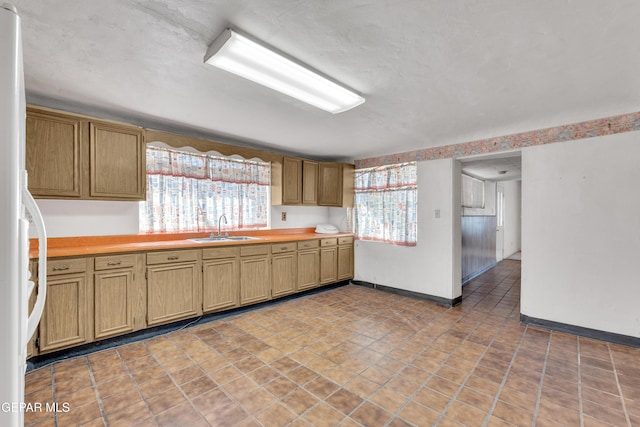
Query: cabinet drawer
(171, 256)
(115, 261)
(283, 247)
(66, 266)
(308, 244)
(254, 250)
(215, 253)
(329, 242)
(345, 240)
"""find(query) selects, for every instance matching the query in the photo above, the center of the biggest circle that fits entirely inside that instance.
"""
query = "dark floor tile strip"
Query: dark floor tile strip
(615, 372)
(544, 369)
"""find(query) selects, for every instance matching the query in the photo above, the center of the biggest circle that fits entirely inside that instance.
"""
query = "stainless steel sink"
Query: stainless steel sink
(224, 239)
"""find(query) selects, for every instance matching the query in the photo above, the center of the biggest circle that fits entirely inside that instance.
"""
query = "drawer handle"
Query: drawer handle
(114, 263)
(173, 258)
(284, 248)
(61, 267)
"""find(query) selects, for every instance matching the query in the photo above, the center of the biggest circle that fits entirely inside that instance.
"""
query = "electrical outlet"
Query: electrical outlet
(284, 216)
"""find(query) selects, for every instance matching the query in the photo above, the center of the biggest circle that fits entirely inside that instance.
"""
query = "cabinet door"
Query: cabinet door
(255, 279)
(291, 181)
(309, 182)
(308, 269)
(221, 284)
(53, 156)
(284, 273)
(65, 312)
(113, 298)
(345, 262)
(117, 168)
(172, 292)
(330, 184)
(328, 265)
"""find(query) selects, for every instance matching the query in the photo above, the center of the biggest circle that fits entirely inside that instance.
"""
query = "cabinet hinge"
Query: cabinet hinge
(36, 343)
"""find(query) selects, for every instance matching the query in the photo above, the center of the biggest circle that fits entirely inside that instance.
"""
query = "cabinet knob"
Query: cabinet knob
(61, 267)
(114, 263)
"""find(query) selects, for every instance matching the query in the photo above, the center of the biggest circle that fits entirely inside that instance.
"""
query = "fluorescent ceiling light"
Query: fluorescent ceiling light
(240, 55)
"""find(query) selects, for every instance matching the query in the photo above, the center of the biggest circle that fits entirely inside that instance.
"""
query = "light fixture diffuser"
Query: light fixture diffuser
(247, 58)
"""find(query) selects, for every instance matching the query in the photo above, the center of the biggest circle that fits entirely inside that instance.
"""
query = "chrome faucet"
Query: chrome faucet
(225, 222)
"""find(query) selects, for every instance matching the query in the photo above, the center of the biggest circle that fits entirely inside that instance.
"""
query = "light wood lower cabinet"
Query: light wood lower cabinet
(308, 264)
(220, 279)
(255, 274)
(100, 297)
(66, 310)
(118, 296)
(173, 286)
(284, 269)
(328, 260)
(345, 258)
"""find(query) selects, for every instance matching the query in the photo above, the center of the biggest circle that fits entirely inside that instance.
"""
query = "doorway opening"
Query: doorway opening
(492, 231)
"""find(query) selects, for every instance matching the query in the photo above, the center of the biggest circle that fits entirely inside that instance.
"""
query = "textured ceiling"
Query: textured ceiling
(432, 72)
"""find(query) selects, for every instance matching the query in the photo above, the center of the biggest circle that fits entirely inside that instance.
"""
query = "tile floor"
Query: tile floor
(353, 356)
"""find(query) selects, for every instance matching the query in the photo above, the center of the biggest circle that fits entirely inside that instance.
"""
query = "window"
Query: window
(188, 192)
(386, 200)
(472, 192)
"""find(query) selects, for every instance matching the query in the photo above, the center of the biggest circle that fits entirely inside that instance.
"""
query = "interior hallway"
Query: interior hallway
(354, 356)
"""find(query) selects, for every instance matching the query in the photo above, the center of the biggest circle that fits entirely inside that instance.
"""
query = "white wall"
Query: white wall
(581, 233)
(431, 267)
(68, 218)
(511, 230)
(299, 216)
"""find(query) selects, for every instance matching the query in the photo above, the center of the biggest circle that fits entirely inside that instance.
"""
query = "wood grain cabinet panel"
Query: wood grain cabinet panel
(330, 184)
(345, 261)
(66, 310)
(309, 183)
(113, 299)
(284, 269)
(173, 288)
(308, 268)
(291, 181)
(53, 155)
(255, 279)
(221, 284)
(328, 264)
(118, 165)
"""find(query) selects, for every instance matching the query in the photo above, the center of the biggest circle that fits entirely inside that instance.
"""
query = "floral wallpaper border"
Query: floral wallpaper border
(587, 129)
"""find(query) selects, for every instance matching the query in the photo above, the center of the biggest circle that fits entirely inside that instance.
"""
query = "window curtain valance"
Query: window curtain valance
(188, 192)
(386, 204)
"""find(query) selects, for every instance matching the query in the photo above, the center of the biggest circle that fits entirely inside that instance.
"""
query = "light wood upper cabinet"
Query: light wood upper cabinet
(255, 274)
(173, 286)
(71, 156)
(53, 154)
(118, 165)
(309, 182)
(284, 268)
(220, 279)
(66, 310)
(330, 184)
(291, 181)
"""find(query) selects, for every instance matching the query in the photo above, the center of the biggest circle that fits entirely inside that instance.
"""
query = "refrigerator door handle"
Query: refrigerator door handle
(36, 313)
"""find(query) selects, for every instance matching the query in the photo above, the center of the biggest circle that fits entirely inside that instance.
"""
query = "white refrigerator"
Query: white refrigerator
(17, 210)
